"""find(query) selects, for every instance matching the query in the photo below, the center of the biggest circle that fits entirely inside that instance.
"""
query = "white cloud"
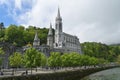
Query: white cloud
(3, 2)
(40, 14)
(18, 4)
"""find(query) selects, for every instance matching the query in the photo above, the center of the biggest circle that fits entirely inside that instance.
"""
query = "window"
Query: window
(56, 45)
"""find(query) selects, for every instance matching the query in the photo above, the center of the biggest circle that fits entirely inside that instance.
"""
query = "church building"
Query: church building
(60, 42)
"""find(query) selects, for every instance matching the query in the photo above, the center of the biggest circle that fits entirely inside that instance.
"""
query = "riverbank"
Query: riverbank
(109, 74)
(57, 75)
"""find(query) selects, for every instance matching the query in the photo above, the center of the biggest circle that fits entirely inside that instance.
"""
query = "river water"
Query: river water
(110, 74)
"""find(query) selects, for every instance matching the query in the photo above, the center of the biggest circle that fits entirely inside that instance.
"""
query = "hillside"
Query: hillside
(21, 36)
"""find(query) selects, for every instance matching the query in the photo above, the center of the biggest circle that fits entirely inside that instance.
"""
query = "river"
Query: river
(110, 74)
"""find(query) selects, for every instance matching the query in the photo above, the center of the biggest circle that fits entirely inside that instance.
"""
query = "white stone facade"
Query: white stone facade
(63, 41)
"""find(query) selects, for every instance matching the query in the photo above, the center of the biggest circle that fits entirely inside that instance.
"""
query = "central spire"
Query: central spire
(58, 15)
(58, 23)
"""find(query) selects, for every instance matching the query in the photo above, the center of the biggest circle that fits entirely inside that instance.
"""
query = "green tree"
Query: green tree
(16, 59)
(99, 50)
(37, 59)
(118, 59)
(22, 36)
(43, 60)
(40, 60)
(93, 61)
(65, 60)
(14, 34)
(71, 59)
(85, 60)
(32, 58)
(75, 59)
(102, 61)
(29, 57)
(11, 33)
(54, 60)
(42, 34)
(28, 37)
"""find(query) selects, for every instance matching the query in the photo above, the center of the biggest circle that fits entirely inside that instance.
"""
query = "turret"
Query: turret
(50, 30)
(36, 40)
(50, 37)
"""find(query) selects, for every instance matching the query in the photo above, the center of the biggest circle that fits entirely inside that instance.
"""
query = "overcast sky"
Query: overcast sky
(90, 20)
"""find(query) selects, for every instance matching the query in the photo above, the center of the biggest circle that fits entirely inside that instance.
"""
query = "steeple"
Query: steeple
(58, 15)
(36, 40)
(50, 30)
(58, 29)
(58, 23)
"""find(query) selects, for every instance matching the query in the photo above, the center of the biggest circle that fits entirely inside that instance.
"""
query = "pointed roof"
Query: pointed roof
(36, 36)
(58, 14)
(50, 30)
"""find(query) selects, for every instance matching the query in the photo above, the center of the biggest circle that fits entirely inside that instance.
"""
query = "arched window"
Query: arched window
(56, 45)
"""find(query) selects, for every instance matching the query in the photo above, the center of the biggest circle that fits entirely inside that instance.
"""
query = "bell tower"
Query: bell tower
(58, 30)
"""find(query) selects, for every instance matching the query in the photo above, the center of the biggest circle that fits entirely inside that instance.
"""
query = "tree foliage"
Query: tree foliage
(33, 58)
(70, 60)
(43, 60)
(22, 36)
(29, 57)
(15, 59)
(118, 59)
(99, 50)
(54, 60)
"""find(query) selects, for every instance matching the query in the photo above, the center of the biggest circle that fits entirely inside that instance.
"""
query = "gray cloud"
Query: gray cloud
(94, 20)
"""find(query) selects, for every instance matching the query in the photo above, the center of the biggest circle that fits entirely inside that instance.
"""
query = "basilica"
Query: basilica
(58, 42)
